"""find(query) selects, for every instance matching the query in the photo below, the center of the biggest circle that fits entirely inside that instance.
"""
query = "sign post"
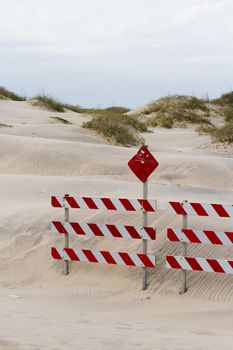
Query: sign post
(142, 165)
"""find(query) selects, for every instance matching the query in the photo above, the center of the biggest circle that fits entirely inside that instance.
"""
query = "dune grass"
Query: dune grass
(9, 95)
(49, 103)
(117, 127)
(61, 120)
(2, 125)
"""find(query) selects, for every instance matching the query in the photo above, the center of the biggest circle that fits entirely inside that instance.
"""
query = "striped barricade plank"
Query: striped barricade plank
(200, 236)
(201, 209)
(200, 264)
(121, 204)
(103, 230)
(103, 257)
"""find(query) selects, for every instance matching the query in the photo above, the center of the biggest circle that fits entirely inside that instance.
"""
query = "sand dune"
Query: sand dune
(97, 306)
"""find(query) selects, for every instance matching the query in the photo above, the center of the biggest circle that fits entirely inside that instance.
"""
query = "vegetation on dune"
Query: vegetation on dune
(49, 103)
(2, 125)
(177, 111)
(224, 100)
(61, 120)
(9, 95)
(117, 127)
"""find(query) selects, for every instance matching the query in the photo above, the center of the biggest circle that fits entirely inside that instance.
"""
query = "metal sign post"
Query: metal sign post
(184, 252)
(67, 217)
(142, 165)
(144, 241)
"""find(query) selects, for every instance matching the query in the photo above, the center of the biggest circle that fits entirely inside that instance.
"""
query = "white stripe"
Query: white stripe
(117, 258)
(88, 231)
(123, 231)
(105, 230)
(202, 236)
(137, 261)
(181, 236)
(223, 238)
(80, 255)
(229, 209)
(188, 208)
(210, 210)
(99, 257)
(54, 229)
(226, 266)
(118, 204)
(142, 233)
(99, 203)
(63, 254)
(204, 264)
(183, 262)
(81, 202)
(69, 228)
(136, 204)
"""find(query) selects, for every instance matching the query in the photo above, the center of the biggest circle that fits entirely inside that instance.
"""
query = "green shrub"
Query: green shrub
(2, 125)
(225, 133)
(7, 94)
(224, 100)
(49, 103)
(119, 128)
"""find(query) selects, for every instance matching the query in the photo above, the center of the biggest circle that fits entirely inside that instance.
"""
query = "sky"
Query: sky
(98, 53)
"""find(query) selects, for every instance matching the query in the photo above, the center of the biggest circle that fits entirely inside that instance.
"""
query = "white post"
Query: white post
(184, 252)
(66, 263)
(144, 241)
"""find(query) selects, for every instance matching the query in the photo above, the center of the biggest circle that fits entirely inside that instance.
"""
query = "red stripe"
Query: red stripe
(55, 202)
(199, 209)
(212, 237)
(55, 254)
(215, 265)
(191, 236)
(146, 205)
(77, 228)
(178, 208)
(114, 231)
(173, 262)
(220, 210)
(71, 254)
(151, 232)
(108, 257)
(90, 256)
(108, 203)
(193, 263)
(146, 261)
(127, 259)
(229, 235)
(230, 262)
(172, 236)
(59, 227)
(90, 203)
(127, 204)
(133, 232)
(96, 230)
(72, 202)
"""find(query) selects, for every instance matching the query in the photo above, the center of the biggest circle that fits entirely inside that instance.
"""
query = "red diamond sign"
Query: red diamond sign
(143, 164)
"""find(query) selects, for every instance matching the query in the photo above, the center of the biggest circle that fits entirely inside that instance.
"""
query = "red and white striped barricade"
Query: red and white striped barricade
(186, 235)
(68, 228)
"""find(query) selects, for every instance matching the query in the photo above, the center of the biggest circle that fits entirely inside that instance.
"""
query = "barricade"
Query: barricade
(186, 236)
(68, 228)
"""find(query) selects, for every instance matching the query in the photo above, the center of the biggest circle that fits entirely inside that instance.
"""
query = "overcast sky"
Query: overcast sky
(121, 52)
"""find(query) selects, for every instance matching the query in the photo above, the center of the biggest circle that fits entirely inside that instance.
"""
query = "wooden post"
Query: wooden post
(184, 252)
(67, 217)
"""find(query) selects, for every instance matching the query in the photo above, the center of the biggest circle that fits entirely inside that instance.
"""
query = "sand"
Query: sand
(103, 307)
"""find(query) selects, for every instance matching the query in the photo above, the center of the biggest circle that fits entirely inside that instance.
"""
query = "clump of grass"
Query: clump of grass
(2, 125)
(224, 100)
(224, 133)
(117, 127)
(49, 103)
(9, 95)
(177, 111)
(61, 120)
